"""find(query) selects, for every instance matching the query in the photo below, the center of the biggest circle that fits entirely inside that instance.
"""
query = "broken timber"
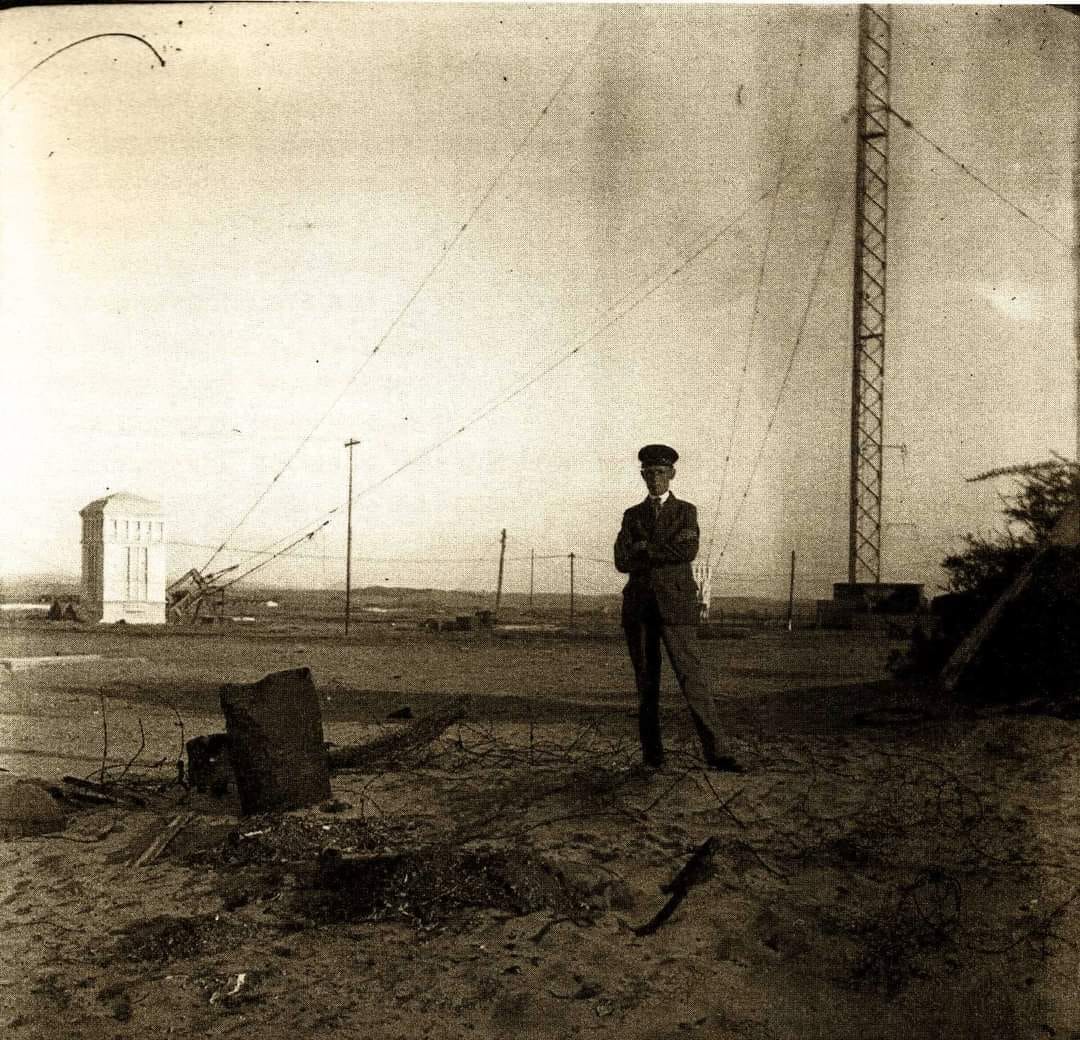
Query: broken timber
(695, 870)
(88, 791)
(425, 730)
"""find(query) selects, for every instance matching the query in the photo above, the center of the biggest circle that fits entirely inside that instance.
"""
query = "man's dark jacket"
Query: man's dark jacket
(661, 570)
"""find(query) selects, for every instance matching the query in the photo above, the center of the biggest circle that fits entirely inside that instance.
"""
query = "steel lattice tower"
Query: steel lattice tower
(868, 298)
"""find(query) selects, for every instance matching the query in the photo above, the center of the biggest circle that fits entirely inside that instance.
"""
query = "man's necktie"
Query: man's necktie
(657, 503)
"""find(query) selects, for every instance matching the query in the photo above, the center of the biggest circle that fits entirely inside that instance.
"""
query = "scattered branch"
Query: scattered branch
(138, 752)
(694, 872)
(104, 738)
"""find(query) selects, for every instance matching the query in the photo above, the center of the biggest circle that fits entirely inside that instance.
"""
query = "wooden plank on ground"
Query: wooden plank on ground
(161, 842)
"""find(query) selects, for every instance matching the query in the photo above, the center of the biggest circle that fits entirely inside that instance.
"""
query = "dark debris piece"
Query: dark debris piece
(297, 840)
(430, 884)
(166, 938)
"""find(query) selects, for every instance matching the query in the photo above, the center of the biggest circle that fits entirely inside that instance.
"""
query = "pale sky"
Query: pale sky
(197, 260)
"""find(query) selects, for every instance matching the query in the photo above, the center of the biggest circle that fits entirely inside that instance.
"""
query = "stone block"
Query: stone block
(276, 742)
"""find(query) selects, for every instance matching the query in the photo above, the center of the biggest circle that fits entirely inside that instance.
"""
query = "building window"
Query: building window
(137, 573)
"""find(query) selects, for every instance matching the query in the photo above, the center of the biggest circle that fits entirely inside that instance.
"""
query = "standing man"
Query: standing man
(657, 542)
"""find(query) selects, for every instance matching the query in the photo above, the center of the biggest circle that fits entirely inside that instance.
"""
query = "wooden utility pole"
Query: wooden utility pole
(1076, 271)
(571, 588)
(350, 444)
(791, 594)
(502, 554)
(532, 571)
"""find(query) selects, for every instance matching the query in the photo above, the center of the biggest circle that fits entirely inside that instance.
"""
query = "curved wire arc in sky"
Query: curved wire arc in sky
(75, 43)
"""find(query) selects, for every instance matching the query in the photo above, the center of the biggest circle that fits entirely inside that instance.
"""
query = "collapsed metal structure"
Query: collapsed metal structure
(191, 592)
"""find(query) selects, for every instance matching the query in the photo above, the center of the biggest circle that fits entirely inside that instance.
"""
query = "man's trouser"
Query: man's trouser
(643, 638)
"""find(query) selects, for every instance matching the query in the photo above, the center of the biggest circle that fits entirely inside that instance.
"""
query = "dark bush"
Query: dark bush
(1035, 648)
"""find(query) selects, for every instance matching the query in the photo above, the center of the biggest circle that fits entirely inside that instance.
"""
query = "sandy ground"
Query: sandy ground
(888, 866)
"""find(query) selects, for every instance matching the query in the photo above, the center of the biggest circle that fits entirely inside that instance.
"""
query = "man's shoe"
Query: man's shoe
(723, 764)
(647, 767)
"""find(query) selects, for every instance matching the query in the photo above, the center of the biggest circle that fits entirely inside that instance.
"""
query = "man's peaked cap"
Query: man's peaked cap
(658, 455)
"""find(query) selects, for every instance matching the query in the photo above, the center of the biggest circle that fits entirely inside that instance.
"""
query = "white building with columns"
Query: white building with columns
(123, 560)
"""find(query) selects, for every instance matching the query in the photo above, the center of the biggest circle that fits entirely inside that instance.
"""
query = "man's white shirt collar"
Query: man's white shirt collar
(662, 499)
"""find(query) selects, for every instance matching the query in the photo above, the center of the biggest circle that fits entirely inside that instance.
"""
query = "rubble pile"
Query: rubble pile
(27, 808)
(296, 840)
(429, 885)
(361, 870)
